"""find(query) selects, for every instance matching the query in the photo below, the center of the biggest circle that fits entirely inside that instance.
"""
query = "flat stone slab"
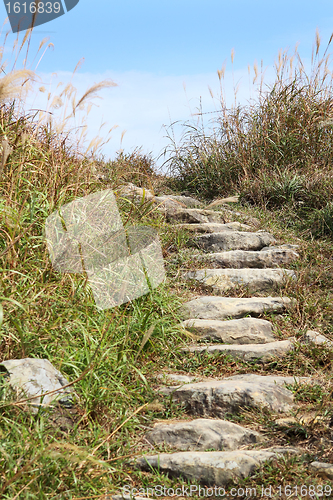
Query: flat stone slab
(322, 469)
(249, 352)
(234, 331)
(203, 434)
(216, 397)
(222, 280)
(271, 379)
(212, 468)
(195, 216)
(223, 201)
(211, 307)
(237, 259)
(317, 338)
(233, 240)
(286, 246)
(211, 227)
(31, 377)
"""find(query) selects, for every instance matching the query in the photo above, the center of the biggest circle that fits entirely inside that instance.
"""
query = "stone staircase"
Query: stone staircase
(235, 255)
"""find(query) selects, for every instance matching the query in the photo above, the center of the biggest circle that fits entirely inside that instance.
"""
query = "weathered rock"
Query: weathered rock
(249, 352)
(224, 201)
(188, 201)
(317, 338)
(212, 468)
(233, 240)
(203, 434)
(175, 377)
(166, 201)
(31, 377)
(217, 397)
(211, 307)
(235, 331)
(322, 469)
(286, 246)
(130, 190)
(195, 216)
(256, 280)
(211, 227)
(270, 379)
(238, 259)
(300, 420)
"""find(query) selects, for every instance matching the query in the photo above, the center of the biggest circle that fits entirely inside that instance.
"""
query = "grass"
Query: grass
(278, 158)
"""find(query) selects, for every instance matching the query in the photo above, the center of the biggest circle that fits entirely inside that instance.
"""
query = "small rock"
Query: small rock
(32, 377)
(261, 353)
(222, 280)
(235, 331)
(211, 307)
(195, 216)
(211, 227)
(203, 434)
(317, 338)
(188, 201)
(183, 379)
(223, 201)
(238, 259)
(322, 469)
(212, 468)
(233, 240)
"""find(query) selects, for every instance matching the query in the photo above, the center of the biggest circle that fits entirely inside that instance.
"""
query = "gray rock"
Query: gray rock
(237, 259)
(188, 201)
(286, 246)
(195, 216)
(233, 240)
(222, 280)
(217, 397)
(175, 377)
(30, 377)
(235, 331)
(249, 352)
(223, 201)
(322, 469)
(203, 434)
(317, 338)
(211, 307)
(212, 468)
(270, 379)
(211, 227)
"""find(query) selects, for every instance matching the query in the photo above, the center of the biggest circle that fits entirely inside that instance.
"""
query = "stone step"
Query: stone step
(235, 331)
(211, 227)
(211, 307)
(237, 259)
(215, 398)
(195, 216)
(286, 246)
(203, 434)
(249, 352)
(222, 280)
(212, 468)
(233, 240)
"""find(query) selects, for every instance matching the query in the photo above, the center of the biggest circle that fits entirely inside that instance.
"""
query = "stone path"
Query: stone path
(236, 255)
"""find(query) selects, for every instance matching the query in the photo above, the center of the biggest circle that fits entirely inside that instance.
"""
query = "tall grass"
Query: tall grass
(276, 151)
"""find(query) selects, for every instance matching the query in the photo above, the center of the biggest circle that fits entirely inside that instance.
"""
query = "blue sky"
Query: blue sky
(164, 56)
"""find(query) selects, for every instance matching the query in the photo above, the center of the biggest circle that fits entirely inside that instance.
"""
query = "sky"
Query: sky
(164, 57)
